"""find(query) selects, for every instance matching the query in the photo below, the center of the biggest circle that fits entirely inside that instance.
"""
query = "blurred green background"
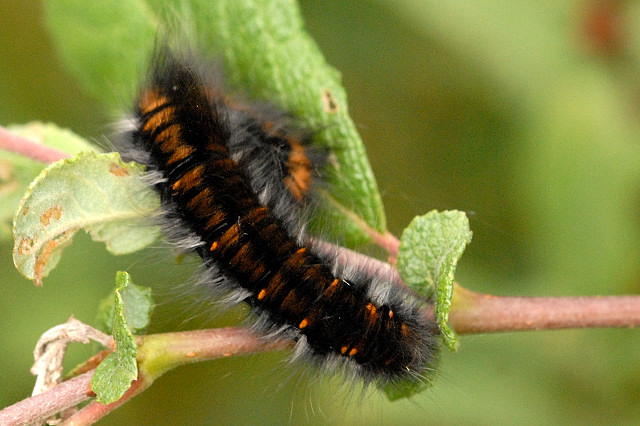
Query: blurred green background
(524, 114)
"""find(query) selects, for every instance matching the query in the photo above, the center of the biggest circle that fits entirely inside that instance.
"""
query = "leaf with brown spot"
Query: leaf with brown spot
(82, 192)
(51, 214)
(118, 170)
(265, 52)
(18, 171)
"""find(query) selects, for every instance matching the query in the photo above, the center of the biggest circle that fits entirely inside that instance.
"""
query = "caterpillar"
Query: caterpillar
(234, 179)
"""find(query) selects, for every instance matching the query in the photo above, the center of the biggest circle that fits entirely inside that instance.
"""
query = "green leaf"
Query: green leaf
(429, 251)
(103, 44)
(138, 306)
(17, 171)
(116, 372)
(266, 53)
(97, 192)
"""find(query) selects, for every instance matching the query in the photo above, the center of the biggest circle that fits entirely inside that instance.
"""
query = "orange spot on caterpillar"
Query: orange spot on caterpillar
(275, 284)
(390, 313)
(262, 294)
(303, 323)
(296, 259)
(214, 246)
(343, 350)
(371, 308)
(332, 288)
(353, 351)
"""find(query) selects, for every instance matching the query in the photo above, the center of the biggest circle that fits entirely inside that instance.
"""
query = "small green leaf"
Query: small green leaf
(266, 53)
(429, 251)
(116, 372)
(17, 171)
(97, 192)
(138, 306)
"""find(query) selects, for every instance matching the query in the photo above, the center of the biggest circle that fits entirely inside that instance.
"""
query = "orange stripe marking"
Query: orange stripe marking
(230, 236)
(151, 100)
(242, 258)
(201, 202)
(189, 179)
(299, 165)
(158, 119)
(217, 217)
(257, 272)
(169, 138)
(256, 215)
(180, 153)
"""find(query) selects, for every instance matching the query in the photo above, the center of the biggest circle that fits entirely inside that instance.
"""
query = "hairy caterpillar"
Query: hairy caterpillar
(233, 179)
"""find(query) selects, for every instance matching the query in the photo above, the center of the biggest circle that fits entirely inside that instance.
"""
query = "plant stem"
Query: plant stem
(471, 313)
(11, 142)
(484, 313)
(159, 353)
(39, 407)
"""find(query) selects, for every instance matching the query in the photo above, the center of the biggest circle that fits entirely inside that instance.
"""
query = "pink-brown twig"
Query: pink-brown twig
(484, 313)
(36, 408)
(157, 353)
(11, 142)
